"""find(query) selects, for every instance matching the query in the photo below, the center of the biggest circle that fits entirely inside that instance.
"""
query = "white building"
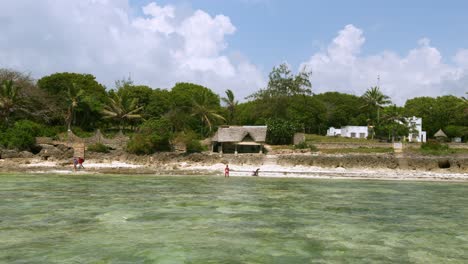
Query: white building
(332, 132)
(349, 131)
(415, 125)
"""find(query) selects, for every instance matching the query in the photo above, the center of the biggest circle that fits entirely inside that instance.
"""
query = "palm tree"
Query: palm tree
(73, 97)
(231, 104)
(9, 98)
(375, 99)
(122, 108)
(394, 117)
(206, 113)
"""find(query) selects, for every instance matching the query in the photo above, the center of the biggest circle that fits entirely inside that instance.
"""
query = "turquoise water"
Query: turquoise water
(148, 219)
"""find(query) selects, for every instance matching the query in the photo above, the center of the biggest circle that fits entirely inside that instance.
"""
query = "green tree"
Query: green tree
(87, 113)
(74, 96)
(281, 132)
(274, 100)
(374, 100)
(340, 110)
(231, 104)
(307, 111)
(154, 135)
(437, 113)
(202, 109)
(121, 108)
(247, 114)
(9, 99)
(394, 121)
(21, 135)
(31, 102)
(188, 102)
(159, 103)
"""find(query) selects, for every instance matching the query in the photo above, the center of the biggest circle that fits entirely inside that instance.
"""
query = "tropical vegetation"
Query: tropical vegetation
(156, 117)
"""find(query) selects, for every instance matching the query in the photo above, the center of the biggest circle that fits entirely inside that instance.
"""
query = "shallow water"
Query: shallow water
(148, 219)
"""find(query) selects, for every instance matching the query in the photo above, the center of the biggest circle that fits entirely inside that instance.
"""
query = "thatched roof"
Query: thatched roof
(240, 133)
(440, 133)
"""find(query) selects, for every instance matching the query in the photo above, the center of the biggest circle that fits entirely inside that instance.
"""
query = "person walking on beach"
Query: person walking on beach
(75, 162)
(80, 163)
(226, 171)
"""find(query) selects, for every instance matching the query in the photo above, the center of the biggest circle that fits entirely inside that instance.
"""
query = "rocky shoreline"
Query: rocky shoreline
(306, 165)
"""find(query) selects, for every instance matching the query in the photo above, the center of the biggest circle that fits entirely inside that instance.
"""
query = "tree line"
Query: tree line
(155, 117)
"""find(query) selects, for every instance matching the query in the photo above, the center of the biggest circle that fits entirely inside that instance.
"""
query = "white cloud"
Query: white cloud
(461, 58)
(166, 44)
(159, 48)
(421, 72)
(159, 19)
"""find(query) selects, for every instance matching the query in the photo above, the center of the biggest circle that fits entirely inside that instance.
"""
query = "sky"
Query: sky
(415, 48)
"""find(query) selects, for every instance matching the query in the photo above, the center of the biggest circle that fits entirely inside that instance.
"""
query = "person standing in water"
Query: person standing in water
(226, 171)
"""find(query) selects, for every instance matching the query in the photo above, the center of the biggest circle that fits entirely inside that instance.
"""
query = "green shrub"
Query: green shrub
(99, 147)
(140, 144)
(22, 135)
(194, 146)
(78, 131)
(434, 145)
(281, 132)
(191, 142)
(302, 145)
(313, 148)
(154, 135)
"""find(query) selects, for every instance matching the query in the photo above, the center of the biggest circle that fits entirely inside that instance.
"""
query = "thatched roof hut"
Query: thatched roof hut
(239, 138)
(440, 134)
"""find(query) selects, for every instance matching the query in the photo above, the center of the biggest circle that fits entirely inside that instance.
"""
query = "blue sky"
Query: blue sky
(272, 31)
(418, 48)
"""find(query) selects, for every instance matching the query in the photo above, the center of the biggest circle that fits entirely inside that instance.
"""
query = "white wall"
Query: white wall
(331, 132)
(416, 122)
(355, 131)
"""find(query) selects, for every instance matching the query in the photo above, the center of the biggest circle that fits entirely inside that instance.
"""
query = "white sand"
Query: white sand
(90, 164)
(113, 164)
(40, 164)
(339, 173)
(267, 170)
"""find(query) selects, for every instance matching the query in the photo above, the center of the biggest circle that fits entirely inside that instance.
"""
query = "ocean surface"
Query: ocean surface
(209, 219)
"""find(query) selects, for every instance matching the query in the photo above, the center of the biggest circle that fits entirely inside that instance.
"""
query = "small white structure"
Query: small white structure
(332, 132)
(415, 124)
(349, 131)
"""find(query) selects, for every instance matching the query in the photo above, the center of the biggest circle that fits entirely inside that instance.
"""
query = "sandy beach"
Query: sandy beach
(36, 166)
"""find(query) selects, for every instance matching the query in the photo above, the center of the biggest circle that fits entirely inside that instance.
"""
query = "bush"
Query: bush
(313, 148)
(281, 132)
(21, 136)
(191, 142)
(78, 131)
(99, 147)
(302, 145)
(154, 135)
(140, 145)
(194, 146)
(456, 131)
(434, 145)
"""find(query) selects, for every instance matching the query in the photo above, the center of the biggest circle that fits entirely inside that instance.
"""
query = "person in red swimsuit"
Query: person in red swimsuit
(80, 163)
(226, 171)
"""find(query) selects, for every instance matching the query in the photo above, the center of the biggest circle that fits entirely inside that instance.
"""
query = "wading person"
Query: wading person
(255, 173)
(75, 162)
(80, 163)
(226, 171)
